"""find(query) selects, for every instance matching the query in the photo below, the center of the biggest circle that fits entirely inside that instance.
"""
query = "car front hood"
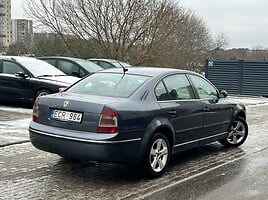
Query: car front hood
(68, 80)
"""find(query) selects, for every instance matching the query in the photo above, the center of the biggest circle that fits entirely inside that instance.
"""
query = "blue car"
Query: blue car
(137, 115)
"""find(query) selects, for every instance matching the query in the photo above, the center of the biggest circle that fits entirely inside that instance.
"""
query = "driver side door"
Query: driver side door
(217, 112)
(12, 86)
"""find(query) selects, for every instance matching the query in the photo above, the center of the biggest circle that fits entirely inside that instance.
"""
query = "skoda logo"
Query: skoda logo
(65, 104)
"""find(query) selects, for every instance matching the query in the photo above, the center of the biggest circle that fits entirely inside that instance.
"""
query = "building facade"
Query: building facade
(5, 24)
(22, 31)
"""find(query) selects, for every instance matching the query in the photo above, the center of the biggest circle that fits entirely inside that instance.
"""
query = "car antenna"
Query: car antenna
(124, 69)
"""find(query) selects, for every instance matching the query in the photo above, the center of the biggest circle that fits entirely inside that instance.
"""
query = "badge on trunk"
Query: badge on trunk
(65, 104)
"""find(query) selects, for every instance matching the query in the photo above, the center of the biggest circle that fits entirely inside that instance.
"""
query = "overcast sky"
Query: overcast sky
(244, 22)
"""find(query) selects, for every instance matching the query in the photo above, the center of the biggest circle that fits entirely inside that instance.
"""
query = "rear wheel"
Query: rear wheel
(238, 133)
(157, 155)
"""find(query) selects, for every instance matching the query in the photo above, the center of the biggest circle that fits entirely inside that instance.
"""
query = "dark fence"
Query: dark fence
(239, 77)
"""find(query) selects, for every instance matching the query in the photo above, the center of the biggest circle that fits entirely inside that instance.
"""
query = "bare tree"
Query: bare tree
(151, 32)
(116, 25)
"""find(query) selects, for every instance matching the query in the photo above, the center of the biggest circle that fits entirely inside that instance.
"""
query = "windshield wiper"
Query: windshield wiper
(45, 75)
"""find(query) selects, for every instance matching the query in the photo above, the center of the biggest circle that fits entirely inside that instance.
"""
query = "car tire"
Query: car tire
(42, 93)
(157, 155)
(238, 133)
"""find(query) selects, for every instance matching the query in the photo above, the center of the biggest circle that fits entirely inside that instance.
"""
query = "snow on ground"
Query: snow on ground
(15, 109)
(250, 101)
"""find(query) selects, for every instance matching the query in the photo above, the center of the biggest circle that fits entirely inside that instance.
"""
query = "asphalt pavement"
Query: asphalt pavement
(209, 172)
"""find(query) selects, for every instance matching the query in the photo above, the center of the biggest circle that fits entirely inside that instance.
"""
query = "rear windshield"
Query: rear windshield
(109, 85)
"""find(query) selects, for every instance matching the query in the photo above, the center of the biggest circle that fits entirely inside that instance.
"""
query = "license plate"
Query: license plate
(63, 115)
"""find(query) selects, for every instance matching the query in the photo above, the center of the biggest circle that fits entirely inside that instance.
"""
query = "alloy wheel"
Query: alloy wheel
(238, 132)
(159, 155)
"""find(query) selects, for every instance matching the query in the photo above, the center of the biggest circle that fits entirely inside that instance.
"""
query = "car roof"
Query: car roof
(146, 71)
(17, 58)
(60, 57)
(104, 59)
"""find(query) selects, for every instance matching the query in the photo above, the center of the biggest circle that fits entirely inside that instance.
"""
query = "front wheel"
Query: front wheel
(157, 155)
(238, 133)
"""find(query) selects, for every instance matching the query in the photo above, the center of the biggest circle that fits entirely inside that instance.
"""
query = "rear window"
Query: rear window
(109, 85)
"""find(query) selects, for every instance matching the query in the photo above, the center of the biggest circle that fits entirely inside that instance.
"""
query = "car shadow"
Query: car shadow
(127, 181)
(200, 157)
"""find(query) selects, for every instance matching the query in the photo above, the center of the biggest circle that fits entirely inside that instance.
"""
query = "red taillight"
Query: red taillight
(108, 121)
(36, 111)
(61, 89)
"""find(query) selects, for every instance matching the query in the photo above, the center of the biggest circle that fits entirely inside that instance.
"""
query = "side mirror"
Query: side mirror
(223, 94)
(21, 75)
(77, 74)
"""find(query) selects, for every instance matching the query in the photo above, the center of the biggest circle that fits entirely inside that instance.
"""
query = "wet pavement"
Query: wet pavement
(14, 124)
(209, 172)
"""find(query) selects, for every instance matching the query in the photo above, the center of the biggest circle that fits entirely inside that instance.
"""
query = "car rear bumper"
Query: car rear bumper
(125, 151)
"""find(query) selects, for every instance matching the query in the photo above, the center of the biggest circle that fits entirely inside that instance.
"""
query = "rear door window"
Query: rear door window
(174, 87)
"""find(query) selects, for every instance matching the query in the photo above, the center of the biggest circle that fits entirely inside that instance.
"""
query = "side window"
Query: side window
(204, 89)
(161, 92)
(11, 68)
(67, 67)
(51, 61)
(105, 65)
(175, 87)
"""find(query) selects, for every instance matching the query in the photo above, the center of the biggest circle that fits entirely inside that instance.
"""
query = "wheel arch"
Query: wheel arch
(240, 113)
(158, 125)
(42, 89)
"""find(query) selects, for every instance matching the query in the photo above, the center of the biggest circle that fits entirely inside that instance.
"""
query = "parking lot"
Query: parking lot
(203, 173)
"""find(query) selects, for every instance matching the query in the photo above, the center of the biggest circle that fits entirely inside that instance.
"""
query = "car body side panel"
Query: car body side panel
(217, 117)
(186, 117)
(15, 88)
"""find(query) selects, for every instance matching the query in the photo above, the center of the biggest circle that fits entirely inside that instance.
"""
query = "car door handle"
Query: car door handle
(172, 112)
(206, 109)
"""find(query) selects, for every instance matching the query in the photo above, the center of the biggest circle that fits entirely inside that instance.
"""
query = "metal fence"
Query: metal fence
(239, 77)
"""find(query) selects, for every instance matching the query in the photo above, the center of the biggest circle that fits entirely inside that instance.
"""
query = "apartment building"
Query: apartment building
(22, 31)
(5, 24)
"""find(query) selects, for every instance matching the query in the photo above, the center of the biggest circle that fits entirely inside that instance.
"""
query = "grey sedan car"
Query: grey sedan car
(137, 115)
(109, 63)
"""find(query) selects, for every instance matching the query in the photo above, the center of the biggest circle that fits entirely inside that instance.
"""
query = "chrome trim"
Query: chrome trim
(177, 145)
(83, 140)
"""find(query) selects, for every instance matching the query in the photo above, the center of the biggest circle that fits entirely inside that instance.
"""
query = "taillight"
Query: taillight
(36, 111)
(61, 89)
(108, 121)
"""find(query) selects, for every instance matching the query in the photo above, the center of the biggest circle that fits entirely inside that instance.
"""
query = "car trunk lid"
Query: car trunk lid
(73, 111)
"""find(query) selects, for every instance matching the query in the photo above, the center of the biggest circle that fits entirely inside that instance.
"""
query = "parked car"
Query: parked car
(109, 63)
(73, 66)
(23, 79)
(139, 115)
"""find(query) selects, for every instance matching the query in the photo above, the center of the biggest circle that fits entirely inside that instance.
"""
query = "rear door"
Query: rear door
(176, 98)
(217, 113)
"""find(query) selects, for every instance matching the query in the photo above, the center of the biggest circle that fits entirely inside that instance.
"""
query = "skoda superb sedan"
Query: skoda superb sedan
(137, 115)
